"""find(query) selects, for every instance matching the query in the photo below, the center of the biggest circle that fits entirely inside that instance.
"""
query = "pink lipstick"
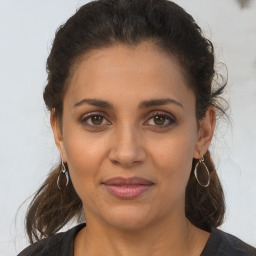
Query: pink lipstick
(128, 188)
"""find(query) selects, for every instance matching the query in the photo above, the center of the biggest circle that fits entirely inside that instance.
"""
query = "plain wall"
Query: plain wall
(27, 149)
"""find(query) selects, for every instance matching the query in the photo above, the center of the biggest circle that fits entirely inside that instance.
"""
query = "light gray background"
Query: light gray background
(27, 150)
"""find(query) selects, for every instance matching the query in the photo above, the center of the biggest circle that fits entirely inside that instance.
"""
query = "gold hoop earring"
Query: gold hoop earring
(63, 172)
(201, 162)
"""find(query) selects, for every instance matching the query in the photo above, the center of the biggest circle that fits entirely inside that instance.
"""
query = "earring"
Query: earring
(63, 172)
(201, 162)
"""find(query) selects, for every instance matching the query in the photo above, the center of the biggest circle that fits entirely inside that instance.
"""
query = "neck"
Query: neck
(175, 237)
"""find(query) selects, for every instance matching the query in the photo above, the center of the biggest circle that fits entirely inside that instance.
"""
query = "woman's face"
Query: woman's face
(129, 135)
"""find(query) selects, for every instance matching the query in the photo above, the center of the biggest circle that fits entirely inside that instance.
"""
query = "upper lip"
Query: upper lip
(128, 181)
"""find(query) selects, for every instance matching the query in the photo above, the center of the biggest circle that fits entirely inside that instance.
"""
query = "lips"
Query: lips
(119, 181)
(127, 188)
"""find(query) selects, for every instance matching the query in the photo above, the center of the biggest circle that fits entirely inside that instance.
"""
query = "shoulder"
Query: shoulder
(59, 244)
(221, 243)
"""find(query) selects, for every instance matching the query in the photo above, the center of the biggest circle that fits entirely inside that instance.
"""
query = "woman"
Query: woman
(133, 107)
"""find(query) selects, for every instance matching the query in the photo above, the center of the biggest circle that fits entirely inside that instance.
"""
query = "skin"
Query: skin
(130, 141)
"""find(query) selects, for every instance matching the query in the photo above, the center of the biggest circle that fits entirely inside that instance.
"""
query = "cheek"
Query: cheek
(82, 149)
(173, 156)
(84, 159)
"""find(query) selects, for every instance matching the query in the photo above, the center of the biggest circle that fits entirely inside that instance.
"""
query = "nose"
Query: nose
(127, 147)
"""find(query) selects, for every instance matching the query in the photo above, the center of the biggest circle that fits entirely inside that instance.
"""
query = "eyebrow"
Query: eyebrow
(159, 102)
(144, 104)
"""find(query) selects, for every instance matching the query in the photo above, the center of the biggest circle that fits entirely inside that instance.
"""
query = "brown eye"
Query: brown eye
(159, 120)
(96, 120)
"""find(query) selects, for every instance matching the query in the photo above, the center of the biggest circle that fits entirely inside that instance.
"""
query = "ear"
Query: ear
(205, 133)
(57, 132)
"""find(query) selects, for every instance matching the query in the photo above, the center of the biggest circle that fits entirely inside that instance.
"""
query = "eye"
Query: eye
(161, 120)
(94, 120)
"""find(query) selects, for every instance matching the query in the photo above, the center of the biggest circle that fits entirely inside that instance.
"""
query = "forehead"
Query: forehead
(123, 70)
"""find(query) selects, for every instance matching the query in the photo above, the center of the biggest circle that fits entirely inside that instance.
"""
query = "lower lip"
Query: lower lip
(128, 191)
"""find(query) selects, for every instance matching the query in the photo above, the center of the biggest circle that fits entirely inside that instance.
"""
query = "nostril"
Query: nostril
(127, 159)
(115, 162)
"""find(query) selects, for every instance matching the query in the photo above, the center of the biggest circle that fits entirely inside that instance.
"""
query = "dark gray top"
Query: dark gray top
(62, 244)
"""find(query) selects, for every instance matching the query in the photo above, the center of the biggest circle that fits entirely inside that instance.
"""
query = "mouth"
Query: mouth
(127, 188)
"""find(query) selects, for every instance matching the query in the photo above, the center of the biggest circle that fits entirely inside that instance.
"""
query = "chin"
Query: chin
(128, 218)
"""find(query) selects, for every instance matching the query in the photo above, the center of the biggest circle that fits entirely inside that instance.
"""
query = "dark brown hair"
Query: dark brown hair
(104, 23)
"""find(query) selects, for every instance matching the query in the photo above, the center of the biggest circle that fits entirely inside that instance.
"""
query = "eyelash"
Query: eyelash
(168, 117)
